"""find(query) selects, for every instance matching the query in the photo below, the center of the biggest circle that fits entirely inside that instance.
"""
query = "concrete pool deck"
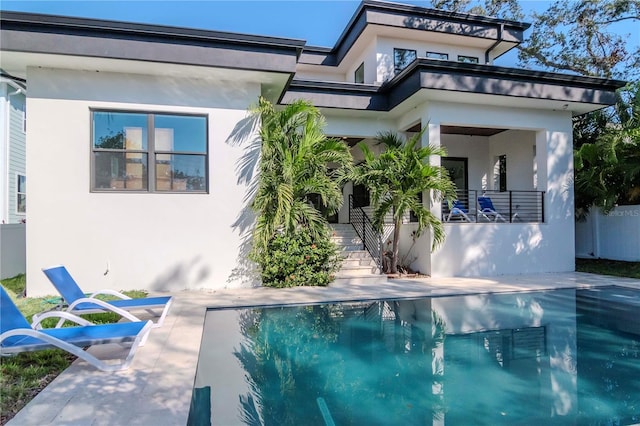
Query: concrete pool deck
(156, 389)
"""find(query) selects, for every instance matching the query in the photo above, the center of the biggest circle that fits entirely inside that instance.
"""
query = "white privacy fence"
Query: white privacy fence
(13, 253)
(614, 236)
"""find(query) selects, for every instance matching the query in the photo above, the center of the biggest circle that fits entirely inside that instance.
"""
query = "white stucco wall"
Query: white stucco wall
(517, 145)
(149, 241)
(484, 249)
(385, 46)
(368, 57)
(489, 249)
(476, 150)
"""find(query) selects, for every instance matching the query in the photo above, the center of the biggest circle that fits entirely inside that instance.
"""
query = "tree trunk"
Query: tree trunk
(394, 250)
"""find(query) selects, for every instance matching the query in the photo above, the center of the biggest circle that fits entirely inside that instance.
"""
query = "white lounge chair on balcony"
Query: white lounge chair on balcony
(487, 210)
(458, 211)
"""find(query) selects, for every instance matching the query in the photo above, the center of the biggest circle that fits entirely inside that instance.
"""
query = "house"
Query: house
(140, 159)
(13, 124)
(13, 177)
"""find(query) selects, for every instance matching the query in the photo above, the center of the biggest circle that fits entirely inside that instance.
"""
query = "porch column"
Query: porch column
(432, 137)
(343, 214)
(540, 166)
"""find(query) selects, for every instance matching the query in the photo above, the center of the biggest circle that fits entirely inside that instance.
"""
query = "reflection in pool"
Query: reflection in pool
(555, 357)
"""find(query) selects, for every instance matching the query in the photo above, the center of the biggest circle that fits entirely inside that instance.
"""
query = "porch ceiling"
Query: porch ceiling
(461, 130)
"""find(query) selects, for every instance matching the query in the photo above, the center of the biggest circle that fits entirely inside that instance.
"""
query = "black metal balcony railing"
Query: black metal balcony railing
(495, 206)
(371, 239)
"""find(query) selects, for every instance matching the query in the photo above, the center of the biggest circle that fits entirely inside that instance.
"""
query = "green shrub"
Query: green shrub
(298, 260)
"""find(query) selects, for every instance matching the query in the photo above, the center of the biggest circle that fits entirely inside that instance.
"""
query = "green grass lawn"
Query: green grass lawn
(24, 375)
(609, 267)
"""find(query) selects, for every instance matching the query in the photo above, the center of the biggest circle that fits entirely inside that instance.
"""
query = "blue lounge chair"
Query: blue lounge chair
(488, 211)
(80, 304)
(458, 210)
(16, 335)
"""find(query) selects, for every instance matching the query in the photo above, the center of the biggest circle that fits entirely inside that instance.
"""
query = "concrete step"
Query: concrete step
(343, 228)
(351, 233)
(345, 234)
(358, 261)
(340, 225)
(356, 254)
(342, 280)
(358, 270)
(350, 247)
(347, 241)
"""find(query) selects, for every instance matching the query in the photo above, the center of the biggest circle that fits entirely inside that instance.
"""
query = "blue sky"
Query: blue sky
(320, 23)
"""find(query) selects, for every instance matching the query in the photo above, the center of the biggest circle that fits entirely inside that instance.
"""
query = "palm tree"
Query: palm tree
(299, 164)
(397, 177)
(607, 155)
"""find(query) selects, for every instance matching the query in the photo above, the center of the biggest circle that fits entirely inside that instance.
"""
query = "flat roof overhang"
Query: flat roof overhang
(382, 18)
(28, 39)
(448, 81)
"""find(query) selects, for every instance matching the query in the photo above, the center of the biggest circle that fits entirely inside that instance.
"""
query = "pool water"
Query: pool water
(551, 357)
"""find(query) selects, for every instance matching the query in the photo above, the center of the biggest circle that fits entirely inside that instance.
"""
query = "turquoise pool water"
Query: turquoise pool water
(552, 357)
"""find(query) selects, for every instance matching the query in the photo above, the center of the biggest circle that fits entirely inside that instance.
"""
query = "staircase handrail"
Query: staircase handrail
(371, 238)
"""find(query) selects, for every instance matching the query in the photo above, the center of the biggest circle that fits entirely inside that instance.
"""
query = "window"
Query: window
(468, 59)
(149, 152)
(502, 173)
(359, 74)
(360, 196)
(437, 55)
(458, 169)
(402, 58)
(21, 193)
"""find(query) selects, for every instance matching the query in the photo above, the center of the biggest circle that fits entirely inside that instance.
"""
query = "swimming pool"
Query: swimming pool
(548, 357)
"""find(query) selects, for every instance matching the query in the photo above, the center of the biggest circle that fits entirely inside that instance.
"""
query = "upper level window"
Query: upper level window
(468, 59)
(358, 76)
(402, 58)
(21, 193)
(134, 151)
(438, 55)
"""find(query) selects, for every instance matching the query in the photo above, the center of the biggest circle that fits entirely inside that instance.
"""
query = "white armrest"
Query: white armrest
(111, 293)
(38, 318)
(106, 306)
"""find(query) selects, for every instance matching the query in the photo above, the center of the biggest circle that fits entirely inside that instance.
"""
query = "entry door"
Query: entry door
(459, 174)
(315, 200)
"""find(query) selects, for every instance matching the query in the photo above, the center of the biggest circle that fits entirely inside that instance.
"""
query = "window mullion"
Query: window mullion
(151, 157)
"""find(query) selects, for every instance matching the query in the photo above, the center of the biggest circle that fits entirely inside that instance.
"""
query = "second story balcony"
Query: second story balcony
(478, 206)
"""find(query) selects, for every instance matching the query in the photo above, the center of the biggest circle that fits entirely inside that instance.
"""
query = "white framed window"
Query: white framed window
(438, 55)
(358, 76)
(402, 58)
(149, 152)
(21, 194)
(468, 59)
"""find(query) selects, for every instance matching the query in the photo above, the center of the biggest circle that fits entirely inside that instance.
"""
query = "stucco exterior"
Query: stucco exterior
(130, 240)
(109, 237)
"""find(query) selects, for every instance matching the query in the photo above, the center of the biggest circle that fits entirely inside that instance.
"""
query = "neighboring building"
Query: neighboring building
(13, 176)
(138, 177)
